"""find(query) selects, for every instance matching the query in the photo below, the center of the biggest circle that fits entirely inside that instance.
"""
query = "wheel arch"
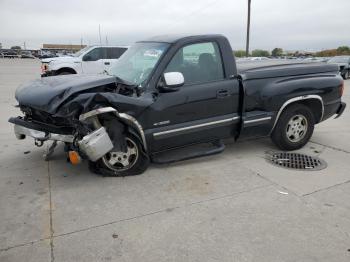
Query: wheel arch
(131, 123)
(66, 69)
(314, 102)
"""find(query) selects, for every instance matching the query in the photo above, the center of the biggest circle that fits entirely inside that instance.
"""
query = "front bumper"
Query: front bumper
(341, 109)
(22, 132)
(94, 145)
(41, 126)
(48, 73)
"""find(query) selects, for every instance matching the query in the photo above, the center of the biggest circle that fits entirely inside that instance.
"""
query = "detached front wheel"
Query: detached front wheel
(133, 161)
(294, 127)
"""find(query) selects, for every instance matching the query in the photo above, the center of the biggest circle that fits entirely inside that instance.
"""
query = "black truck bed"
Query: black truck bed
(278, 68)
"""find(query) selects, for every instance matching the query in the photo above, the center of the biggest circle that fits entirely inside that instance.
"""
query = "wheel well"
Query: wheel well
(135, 133)
(66, 69)
(314, 105)
(127, 127)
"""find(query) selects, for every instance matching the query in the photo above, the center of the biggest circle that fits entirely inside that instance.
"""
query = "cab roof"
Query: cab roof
(117, 46)
(177, 38)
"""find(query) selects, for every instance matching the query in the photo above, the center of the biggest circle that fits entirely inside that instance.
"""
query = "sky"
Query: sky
(308, 25)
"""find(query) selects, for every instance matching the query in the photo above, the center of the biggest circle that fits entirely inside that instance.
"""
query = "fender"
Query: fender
(295, 99)
(57, 66)
(126, 118)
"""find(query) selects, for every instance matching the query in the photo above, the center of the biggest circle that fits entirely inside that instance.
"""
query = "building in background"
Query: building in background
(60, 48)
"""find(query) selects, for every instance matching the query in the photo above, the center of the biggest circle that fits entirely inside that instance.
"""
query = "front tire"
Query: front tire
(294, 128)
(132, 162)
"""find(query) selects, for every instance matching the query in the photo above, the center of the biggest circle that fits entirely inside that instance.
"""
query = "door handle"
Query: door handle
(107, 63)
(222, 93)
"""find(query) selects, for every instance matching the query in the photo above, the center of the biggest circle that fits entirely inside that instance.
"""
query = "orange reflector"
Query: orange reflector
(74, 157)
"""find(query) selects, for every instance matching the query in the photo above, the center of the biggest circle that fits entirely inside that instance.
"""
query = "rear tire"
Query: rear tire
(294, 127)
(133, 162)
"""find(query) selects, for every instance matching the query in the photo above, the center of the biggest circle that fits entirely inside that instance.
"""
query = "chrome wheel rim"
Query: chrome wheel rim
(120, 161)
(296, 128)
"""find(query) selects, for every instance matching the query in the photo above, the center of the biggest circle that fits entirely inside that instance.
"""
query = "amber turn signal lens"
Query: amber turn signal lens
(74, 157)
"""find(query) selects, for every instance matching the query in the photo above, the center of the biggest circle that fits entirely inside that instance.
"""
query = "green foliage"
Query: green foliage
(277, 51)
(260, 52)
(341, 50)
(329, 52)
(239, 53)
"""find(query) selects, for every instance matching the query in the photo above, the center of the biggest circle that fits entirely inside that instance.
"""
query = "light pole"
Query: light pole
(99, 33)
(248, 30)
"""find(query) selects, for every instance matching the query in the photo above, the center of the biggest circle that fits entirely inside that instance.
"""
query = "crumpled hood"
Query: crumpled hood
(48, 93)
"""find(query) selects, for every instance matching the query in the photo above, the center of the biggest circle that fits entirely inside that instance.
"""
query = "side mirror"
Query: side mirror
(172, 81)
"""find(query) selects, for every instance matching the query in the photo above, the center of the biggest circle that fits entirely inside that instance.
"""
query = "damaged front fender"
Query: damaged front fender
(123, 117)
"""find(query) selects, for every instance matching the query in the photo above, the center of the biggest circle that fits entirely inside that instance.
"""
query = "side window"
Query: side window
(93, 55)
(115, 52)
(199, 63)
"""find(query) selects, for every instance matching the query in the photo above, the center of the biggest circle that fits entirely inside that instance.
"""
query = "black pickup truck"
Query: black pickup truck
(168, 93)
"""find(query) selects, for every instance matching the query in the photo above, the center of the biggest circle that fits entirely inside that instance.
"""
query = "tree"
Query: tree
(16, 47)
(343, 50)
(277, 51)
(239, 53)
(260, 52)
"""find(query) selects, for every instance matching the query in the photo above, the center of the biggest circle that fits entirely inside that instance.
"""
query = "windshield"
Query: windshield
(339, 59)
(81, 51)
(136, 64)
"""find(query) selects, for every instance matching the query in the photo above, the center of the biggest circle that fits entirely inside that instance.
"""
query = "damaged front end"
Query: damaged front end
(80, 111)
(87, 138)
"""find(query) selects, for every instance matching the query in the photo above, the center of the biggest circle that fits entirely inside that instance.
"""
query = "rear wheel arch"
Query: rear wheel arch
(316, 107)
(295, 128)
(313, 102)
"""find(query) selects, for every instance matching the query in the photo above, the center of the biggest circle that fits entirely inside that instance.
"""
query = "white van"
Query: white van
(89, 60)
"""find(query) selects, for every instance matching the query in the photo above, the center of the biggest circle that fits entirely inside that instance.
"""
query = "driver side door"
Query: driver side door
(93, 61)
(205, 108)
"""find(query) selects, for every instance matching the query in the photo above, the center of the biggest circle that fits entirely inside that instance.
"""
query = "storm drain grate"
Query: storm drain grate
(297, 161)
